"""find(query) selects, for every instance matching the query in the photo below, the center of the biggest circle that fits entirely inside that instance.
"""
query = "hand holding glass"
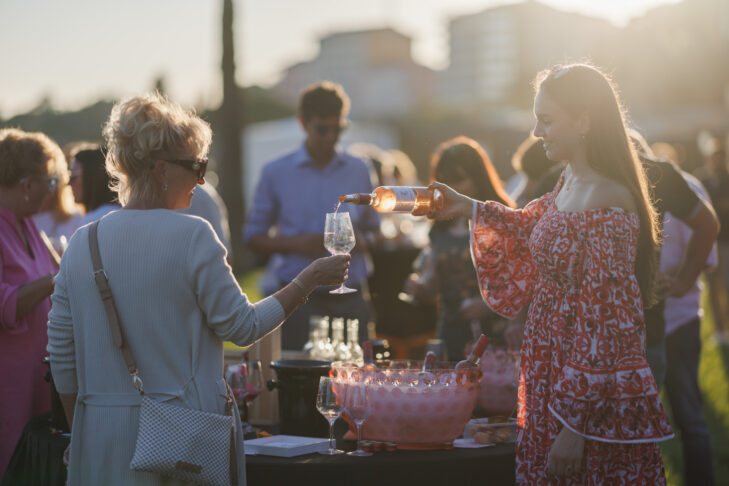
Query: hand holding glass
(326, 403)
(339, 240)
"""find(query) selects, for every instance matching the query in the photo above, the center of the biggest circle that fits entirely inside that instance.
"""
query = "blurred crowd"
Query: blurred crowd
(415, 280)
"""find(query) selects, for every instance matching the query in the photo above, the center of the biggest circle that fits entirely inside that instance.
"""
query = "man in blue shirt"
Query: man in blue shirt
(292, 198)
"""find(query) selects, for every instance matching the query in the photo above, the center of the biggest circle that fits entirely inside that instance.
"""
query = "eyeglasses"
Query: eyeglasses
(52, 184)
(51, 181)
(323, 130)
(199, 166)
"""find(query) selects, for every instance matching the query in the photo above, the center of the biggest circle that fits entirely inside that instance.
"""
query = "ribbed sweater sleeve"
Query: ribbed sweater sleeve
(60, 337)
(229, 313)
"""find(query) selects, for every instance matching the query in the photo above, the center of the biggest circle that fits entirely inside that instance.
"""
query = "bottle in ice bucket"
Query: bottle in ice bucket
(418, 201)
(429, 361)
(469, 367)
(426, 376)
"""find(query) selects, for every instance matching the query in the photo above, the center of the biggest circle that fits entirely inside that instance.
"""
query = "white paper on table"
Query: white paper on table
(470, 444)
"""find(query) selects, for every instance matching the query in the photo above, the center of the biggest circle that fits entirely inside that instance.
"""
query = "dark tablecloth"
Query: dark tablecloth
(463, 467)
(37, 461)
(38, 457)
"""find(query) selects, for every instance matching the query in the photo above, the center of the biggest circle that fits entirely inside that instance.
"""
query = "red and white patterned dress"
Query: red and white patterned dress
(583, 360)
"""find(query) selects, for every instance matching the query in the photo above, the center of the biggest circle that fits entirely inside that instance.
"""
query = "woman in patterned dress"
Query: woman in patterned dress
(583, 257)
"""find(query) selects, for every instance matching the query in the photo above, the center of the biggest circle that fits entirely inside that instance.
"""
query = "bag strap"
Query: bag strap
(102, 282)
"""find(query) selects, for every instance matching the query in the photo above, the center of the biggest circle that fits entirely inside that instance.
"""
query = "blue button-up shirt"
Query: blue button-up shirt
(294, 194)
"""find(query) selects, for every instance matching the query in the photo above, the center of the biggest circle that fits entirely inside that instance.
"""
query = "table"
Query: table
(463, 467)
(37, 461)
(38, 457)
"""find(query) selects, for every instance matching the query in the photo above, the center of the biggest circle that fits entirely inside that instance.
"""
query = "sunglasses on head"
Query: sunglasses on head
(324, 130)
(199, 166)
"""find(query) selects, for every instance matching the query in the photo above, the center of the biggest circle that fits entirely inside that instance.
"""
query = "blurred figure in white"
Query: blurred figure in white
(207, 203)
(60, 216)
(715, 177)
(683, 347)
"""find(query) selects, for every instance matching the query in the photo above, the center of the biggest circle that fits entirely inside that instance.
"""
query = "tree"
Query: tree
(231, 141)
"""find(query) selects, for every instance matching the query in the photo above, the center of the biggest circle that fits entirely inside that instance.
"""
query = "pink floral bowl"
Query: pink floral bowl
(414, 409)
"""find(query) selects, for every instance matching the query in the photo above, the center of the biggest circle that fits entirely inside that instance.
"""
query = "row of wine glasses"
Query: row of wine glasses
(355, 402)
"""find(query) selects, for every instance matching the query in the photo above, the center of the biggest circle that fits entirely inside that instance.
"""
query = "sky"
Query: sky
(77, 51)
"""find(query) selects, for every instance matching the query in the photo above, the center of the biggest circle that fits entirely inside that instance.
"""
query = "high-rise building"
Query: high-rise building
(494, 54)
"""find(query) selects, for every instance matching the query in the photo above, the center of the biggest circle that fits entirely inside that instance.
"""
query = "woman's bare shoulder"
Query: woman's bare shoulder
(610, 194)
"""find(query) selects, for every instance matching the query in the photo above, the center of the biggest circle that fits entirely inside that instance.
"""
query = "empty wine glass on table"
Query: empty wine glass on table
(326, 403)
(339, 240)
(358, 404)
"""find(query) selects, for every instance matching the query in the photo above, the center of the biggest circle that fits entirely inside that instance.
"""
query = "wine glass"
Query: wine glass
(246, 382)
(358, 404)
(326, 403)
(339, 240)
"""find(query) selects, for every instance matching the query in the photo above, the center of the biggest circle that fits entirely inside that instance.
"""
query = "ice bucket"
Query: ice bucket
(415, 410)
(298, 383)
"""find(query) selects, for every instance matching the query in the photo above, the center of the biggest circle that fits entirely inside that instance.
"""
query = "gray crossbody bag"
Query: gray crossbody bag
(187, 444)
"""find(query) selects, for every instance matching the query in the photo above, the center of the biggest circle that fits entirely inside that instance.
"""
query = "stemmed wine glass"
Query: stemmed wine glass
(358, 404)
(326, 403)
(246, 382)
(339, 240)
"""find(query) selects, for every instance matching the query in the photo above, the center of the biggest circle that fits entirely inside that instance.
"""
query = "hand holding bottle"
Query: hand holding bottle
(453, 205)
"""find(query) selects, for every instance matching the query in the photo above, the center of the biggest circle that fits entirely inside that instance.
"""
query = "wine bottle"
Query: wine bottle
(426, 376)
(368, 357)
(429, 361)
(472, 360)
(341, 351)
(418, 201)
(355, 350)
(469, 367)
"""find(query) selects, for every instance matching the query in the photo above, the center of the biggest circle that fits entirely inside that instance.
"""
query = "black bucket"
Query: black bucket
(298, 384)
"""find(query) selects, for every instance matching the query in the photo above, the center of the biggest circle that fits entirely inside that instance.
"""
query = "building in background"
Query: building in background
(494, 54)
(375, 67)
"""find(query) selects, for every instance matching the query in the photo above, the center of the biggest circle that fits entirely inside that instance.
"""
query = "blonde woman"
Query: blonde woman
(583, 258)
(175, 294)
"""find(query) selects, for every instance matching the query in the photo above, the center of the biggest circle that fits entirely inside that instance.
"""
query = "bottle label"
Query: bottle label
(404, 199)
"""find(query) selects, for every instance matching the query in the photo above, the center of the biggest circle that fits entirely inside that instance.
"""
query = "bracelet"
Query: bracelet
(303, 289)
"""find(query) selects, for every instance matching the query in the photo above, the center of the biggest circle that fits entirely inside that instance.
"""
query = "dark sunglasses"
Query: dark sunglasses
(323, 130)
(199, 166)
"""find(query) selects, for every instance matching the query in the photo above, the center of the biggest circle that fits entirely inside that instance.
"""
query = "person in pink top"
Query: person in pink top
(29, 170)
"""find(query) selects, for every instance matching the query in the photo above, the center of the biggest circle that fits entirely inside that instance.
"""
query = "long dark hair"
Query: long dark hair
(96, 190)
(463, 158)
(582, 88)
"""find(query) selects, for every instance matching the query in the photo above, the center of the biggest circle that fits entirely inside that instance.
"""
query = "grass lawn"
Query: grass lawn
(713, 380)
(714, 383)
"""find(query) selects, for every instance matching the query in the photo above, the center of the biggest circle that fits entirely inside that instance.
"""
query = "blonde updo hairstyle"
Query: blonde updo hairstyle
(24, 154)
(142, 128)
